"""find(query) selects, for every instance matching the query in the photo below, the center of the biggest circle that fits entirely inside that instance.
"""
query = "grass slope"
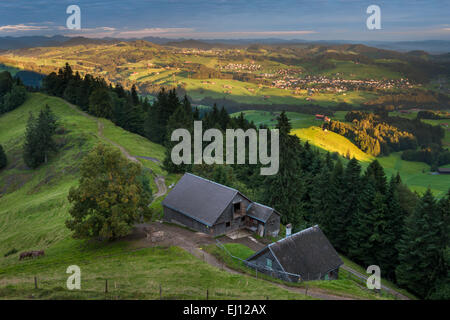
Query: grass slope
(34, 206)
(332, 142)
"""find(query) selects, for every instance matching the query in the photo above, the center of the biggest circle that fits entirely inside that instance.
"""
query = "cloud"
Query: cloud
(21, 28)
(152, 31)
(272, 33)
(138, 33)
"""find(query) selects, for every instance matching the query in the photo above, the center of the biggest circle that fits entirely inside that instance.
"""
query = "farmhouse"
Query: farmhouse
(443, 170)
(305, 255)
(215, 209)
(319, 116)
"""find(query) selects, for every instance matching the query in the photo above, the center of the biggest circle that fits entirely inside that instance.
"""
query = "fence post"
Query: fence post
(160, 292)
(207, 294)
(35, 282)
(106, 286)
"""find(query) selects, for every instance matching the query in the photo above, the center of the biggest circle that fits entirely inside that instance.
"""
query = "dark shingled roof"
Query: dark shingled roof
(259, 211)
(307, 253)
(443, 170)
(200, 199)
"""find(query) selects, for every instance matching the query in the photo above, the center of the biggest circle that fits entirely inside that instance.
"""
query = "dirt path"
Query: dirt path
(100, 132)
(149, 158)
(122, 149)
(162, 188)
(193, 242)
(159, 180)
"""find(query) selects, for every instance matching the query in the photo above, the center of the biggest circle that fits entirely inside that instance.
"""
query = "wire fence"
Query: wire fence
(283, 275)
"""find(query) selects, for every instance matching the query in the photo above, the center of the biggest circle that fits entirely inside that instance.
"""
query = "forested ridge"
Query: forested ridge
(379, 134)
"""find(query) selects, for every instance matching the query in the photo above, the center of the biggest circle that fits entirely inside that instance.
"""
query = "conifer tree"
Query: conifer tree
(39, 138)
(420, 248)
(180, 119)
(283, 190)
(351, 189)
(3, 159)
(100, 103)
(31, 152)
(360, 244)
(395, 216)
(320, 202)
(134, 95)
(376, 171)
(334, 220)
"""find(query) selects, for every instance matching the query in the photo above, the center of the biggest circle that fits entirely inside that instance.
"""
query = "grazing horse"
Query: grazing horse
(31, 254)
(24, 255)
(38, 253)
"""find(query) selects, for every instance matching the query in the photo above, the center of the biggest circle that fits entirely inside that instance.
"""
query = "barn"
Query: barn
(215, 209)
(305, 255)
(443, 170)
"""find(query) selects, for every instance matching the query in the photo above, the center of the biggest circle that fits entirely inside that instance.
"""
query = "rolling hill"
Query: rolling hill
(263, 74)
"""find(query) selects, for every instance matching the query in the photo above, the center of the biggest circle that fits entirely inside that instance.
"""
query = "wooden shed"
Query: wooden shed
(305, 255)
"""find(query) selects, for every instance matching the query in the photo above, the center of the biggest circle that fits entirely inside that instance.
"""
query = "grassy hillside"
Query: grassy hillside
(34, 206)
(332, 142)
(26, 194)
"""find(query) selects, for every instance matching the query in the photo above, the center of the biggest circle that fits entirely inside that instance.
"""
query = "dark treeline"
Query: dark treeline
(3, 158)
(309, 108)
(125, 108)
(169, 113)
(412, 99)
(434, 115)
(367, 216)
(429, 138)
(93, 95)
(12, 92)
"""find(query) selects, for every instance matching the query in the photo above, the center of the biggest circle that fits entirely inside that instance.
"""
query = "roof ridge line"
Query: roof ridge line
(297, 233)
(222, 185)
(263, 205)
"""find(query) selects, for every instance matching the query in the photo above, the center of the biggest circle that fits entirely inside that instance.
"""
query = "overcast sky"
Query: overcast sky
(227, 19)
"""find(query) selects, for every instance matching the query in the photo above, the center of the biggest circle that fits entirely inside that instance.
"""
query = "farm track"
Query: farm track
(193, 242)
(159, 180)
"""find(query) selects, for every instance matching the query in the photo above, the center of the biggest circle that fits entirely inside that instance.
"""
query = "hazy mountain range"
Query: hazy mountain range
(10, 43)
